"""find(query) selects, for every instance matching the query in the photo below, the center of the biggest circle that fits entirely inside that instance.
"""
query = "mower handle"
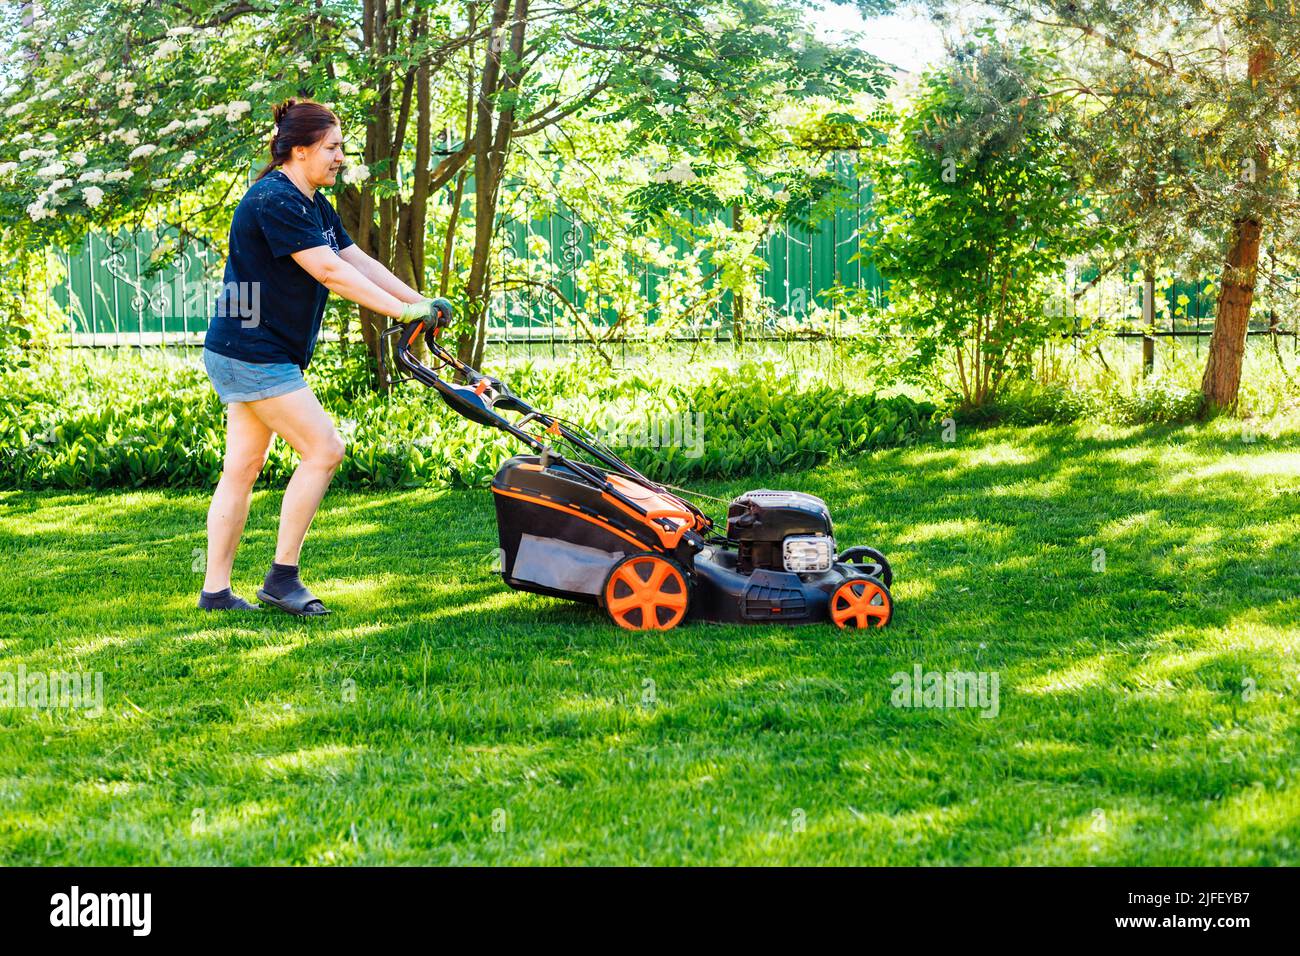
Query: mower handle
(407, 337)
(440, 315)
(440, 311)
(482, 395)
(476, 400)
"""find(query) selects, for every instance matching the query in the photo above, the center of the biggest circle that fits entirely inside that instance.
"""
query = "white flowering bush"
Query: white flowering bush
(123, 113)
(117, 114)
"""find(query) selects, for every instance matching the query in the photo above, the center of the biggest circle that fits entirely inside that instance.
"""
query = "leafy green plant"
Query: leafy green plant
(977, 210)
(28, 315)
(1028, 403)
(1159, 400)
(138, 420)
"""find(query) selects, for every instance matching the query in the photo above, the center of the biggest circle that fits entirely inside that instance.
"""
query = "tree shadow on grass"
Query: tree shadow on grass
(1122, 734)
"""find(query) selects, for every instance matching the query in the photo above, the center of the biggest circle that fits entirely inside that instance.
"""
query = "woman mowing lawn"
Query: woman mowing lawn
(288, 251)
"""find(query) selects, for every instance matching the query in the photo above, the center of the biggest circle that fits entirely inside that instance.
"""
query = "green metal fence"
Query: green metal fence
(113, 301)
(803, 267)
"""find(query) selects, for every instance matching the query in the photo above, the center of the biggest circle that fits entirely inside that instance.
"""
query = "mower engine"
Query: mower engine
(780, 531)
(778, 563)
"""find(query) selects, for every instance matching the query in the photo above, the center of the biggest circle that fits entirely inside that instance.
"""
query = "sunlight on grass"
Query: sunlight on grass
(1129, 524)
(375, 629)
(1284, 464)
(1142, 455)
(940, 457)
(323, 760)
(939, 530)
(267, 652)
(1272, 810)
(115, 788)
(1077, 677)
(912, 828)
(1048, 749)
(1001, 453)
(266, 715)
(587, 705)
(1095, 832)
(1122, 689)
(748, 678)
(351, 589)
(228, 822)
(75, 646)
(910, 589)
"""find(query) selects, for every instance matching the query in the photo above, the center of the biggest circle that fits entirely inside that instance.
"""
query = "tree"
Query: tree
(1188, 129)
(170, 82)
(977, 210)
(696, 221)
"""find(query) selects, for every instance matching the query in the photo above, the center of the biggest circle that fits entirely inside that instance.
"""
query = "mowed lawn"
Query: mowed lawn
(1149, 713)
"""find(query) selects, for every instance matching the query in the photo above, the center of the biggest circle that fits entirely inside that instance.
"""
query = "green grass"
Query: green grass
(1124, 735)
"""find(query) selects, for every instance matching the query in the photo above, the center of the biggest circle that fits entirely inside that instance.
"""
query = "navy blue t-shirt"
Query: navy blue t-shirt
(270, 308)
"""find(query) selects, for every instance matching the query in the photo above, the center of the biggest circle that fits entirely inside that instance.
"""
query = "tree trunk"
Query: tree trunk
(1228, 342)
(363, 231)
(737, 297)
(1222, 376)
(490, 149)
(449, 237)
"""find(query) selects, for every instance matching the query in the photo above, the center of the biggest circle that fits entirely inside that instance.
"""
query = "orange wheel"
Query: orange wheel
(645, 592)
(861, 602)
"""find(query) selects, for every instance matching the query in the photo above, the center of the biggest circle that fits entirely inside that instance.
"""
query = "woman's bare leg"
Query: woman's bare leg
(299, 419)
(247, 444)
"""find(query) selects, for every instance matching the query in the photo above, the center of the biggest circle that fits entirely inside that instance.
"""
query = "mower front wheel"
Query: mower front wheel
(645, 592)
(862, 602)
(868, 561)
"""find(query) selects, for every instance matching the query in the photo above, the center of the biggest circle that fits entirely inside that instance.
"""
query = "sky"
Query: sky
(906, 40)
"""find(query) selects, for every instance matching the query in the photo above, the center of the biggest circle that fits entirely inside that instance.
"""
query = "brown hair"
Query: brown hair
(298, 123)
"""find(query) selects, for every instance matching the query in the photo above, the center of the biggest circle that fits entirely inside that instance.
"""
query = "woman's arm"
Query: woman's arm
(338, 275)
(377, 274)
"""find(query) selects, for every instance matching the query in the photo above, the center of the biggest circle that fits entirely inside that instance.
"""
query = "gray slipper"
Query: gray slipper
(299, 602)
(224, 601)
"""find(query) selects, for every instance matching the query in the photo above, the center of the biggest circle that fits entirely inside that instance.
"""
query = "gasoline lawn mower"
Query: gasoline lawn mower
(588, 527)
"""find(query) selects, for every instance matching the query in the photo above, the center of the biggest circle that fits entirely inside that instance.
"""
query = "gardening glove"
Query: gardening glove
(436, 313)
(415, 310)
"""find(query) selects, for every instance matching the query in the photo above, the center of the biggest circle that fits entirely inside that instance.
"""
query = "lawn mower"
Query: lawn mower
(588, 527)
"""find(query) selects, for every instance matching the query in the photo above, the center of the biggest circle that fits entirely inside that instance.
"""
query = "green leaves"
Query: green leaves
(977, 215)
(136, 421)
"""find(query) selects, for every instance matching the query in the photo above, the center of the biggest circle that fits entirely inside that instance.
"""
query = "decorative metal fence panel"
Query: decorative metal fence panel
(112, 300)
(803, 266)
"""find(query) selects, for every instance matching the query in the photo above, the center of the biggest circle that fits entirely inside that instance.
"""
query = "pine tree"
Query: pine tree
(1189, 130)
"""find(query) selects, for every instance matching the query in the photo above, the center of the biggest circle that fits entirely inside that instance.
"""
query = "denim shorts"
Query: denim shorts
(237, 381)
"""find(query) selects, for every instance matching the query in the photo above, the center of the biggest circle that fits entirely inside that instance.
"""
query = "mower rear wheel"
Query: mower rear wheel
(862, 602)
(868, 561)
(645, 592)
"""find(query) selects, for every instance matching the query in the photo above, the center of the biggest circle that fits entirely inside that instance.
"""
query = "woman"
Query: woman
(288, 251)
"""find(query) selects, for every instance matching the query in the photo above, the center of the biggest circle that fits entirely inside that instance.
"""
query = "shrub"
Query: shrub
(1158, 400)
(1029, 403)
(91, 421)
(977, 214)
